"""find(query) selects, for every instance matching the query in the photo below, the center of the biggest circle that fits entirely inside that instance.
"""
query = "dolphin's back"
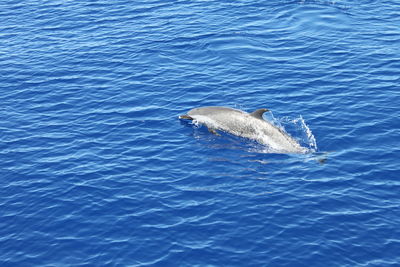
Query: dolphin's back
(213, 110)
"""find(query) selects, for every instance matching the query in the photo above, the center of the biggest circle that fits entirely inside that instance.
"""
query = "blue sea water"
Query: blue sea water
(96, 169)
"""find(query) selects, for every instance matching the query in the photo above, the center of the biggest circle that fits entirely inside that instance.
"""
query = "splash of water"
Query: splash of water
(310, 138)
(298, 128)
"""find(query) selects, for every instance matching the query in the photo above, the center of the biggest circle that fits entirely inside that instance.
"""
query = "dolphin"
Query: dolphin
(247, 125)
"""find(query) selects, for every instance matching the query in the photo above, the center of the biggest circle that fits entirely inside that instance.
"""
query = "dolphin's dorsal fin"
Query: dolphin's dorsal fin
(259, 112)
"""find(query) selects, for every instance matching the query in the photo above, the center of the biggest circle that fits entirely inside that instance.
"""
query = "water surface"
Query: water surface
(96, 169)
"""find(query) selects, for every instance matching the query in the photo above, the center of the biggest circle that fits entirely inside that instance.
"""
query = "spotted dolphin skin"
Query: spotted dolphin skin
(247, 125)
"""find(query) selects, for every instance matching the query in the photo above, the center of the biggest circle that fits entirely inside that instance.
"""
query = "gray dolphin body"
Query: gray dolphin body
(247, 125)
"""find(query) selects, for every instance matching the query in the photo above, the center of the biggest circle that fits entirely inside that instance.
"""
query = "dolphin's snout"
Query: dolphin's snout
(185, 117)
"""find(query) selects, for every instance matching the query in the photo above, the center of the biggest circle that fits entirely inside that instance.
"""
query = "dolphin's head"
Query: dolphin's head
(199, 111)
(204, 111)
